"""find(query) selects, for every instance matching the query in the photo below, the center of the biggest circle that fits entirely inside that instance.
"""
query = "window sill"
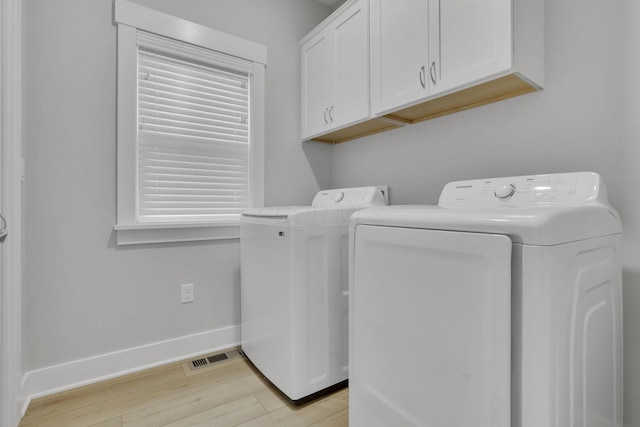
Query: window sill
(140, 234)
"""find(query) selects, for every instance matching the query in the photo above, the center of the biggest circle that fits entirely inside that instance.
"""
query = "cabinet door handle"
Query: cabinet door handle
(423, 82)
(3, 231)
(432, 72)
(331, 115)
(326, 122)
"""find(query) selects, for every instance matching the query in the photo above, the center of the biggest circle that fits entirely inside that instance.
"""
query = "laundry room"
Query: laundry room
(88, 297)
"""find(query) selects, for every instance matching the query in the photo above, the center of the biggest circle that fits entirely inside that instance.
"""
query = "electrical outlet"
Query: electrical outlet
(186, 293)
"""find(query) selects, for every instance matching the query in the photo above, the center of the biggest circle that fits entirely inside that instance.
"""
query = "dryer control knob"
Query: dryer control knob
(337, 197)
(504, 191)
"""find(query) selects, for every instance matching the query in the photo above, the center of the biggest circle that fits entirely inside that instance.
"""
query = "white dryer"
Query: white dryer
(294, 290)
(499, 307)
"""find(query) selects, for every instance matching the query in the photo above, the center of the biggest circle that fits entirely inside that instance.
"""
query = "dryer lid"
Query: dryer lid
(541, 209)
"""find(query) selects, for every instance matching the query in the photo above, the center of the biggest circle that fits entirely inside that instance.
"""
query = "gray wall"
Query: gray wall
(629, 206)
(83, 295)
(587, 118)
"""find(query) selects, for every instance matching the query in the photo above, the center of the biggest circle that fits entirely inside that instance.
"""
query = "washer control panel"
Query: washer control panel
(348, 197)
(523, 190)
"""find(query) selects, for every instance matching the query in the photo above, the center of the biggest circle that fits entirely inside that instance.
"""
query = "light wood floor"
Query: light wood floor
(231, 393)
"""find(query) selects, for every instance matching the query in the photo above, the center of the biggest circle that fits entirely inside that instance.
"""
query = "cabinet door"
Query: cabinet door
(399, 53)
(472, 39)
(316, 84)
(350, 72)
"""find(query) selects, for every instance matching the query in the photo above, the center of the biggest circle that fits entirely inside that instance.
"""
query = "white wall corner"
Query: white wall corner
(65, 376)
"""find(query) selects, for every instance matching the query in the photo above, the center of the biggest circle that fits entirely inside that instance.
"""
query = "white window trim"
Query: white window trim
(131, 17)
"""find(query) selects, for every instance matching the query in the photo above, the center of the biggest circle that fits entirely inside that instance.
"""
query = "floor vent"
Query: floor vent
(214, 359)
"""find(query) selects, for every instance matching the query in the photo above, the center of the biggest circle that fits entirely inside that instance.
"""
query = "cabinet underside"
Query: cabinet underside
(485, 93)
(359, 130)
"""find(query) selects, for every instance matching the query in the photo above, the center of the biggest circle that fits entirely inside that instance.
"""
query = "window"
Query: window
(193, 135)
(190, 128)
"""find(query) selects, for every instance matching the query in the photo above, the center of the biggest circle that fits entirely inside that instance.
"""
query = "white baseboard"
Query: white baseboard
(54, 379)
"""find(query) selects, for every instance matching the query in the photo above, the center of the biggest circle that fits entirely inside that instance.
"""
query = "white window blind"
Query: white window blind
(193, 133)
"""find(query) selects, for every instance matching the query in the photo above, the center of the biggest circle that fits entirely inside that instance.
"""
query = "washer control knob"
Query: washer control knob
(504, 191)
(337, 197)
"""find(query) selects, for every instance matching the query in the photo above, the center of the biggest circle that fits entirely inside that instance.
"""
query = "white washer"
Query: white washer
(294, 290)
(499, 307)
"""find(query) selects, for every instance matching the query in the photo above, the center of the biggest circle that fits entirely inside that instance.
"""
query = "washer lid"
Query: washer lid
(541, 209)
(328, 207)
(300, 215)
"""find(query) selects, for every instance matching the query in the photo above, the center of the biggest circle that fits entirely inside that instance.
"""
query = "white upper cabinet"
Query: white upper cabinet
(471, 40)
(425, 59)
(399, 52)
(335, 71)
(315, 80)
(424, 49)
